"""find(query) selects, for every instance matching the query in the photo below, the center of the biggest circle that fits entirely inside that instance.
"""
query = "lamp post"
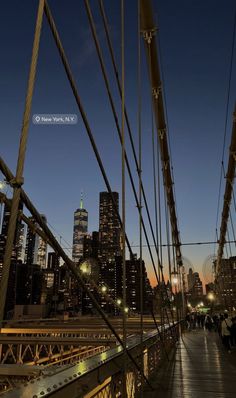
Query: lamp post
(211, 298)
(174, 283)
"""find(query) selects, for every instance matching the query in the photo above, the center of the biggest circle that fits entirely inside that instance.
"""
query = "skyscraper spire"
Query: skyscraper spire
(81, 200)
(79, 231)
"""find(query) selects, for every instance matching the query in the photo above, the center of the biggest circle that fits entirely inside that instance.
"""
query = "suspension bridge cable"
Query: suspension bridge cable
(18, 180)
(228, 192)
(229, 85)
(159, 204)
(232, 227)
(158, 207)
(139, 87)
(214, 242)
(82, 112)
(234, 201)
(157, 196)
(88, 129)
(111, 51)
(69, 247)
(128, 126)
(168, 238)
(155, 186)
(102, 64)
(123, 187)
(149, 30)
(231, 220)
(230, 251)
(166, 111)
(226, 112)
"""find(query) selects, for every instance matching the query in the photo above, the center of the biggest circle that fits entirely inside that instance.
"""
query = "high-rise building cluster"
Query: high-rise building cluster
(195, 287)
(225, 283)
(104, 246)
(37, 277)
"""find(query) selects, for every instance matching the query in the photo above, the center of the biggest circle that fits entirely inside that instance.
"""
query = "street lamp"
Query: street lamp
(103, 289)
(174, 278)
(84, 269)
(211, 296)
(118, 301)
(3, 185)
(174, 282)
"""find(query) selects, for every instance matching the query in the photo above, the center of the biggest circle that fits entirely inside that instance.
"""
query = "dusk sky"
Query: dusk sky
(196, 41)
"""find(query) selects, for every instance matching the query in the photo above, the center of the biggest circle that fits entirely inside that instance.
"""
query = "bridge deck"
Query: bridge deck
(199, 368)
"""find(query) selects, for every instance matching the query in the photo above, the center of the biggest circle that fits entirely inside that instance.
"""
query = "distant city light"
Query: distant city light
(86, 267)
(118, 301)
(104, 289)
(126, 309)
(211, 296)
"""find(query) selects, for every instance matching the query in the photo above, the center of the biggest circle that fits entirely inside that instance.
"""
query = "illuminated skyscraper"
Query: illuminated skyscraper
(195, 288)
(16, 257)
(109, 227)
(226, 283)
(80, 230)
(109, 244)
(36, 247)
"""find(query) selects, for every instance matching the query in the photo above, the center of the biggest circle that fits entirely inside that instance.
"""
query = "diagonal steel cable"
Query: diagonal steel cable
(17, 182)
(116, 73)
(102, 64)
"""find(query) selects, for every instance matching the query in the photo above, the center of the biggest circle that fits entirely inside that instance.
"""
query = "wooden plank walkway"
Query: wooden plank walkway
(200, 367)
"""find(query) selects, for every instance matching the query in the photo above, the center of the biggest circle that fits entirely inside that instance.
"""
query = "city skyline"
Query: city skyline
(195, 63)
(117, 204)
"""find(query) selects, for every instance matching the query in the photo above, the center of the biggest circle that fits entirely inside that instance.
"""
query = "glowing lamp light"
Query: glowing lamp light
(84, 269)
(2, 185)
(104, 289)
(211, 296)
(126, 310)
(175, 280)
(118, 301)
(189, 305)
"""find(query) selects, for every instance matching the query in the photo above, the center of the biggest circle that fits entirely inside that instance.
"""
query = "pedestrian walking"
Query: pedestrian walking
(226, 332)
(208, 323)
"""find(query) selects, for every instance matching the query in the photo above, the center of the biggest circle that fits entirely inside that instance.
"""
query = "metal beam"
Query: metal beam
(149, 30)
(17, 180)
(228, 193)
(83, 377)
(31, 225)
(62, 340)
